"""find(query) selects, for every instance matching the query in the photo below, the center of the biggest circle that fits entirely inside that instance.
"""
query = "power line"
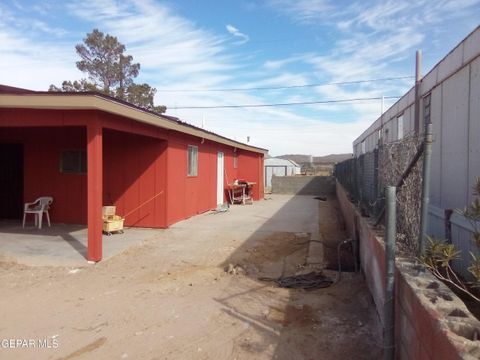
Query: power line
(287, 87)
(283, 104)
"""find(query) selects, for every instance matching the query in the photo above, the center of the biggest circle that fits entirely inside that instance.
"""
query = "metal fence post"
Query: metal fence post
(376, 195)
(389, 306)
(427, 155)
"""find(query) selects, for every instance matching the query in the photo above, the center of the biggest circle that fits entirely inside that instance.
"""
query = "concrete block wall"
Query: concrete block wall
(303, 185)
(431, 321)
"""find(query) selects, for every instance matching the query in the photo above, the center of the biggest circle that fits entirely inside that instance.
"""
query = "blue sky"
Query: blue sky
(209, 45)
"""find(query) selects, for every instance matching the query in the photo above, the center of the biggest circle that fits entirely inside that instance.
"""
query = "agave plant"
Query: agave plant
(439, 254)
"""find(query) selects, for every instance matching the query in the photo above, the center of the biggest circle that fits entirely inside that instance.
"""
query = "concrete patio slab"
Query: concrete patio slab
(66, 245)
(60, 244)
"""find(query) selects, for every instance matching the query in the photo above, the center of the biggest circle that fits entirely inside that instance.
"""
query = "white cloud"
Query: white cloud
(47, 29)
(29, 62)
(169, 46)
(176, 53)
(237, 33)
(305, 11)
(371, 40)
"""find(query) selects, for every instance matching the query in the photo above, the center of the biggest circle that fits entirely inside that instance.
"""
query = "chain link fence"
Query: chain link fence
(366, 176)
(359, 176)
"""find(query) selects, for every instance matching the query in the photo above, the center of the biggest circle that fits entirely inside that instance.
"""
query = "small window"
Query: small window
(192, 160)
(73, 162)
(400, 127)
(235, 160)
(363, 147)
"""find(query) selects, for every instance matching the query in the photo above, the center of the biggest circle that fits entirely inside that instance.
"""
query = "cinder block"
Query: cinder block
(421, 334)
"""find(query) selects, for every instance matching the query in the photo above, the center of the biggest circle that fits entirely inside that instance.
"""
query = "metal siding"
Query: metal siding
(436, 222)
(390, 127)
(471, 46)
(421, 122)
(278, 171)
(455, 113)
(395, 129)
(429, 81)
(374, 140)
(451, 63)
(411, 119)
(474, 128)
(462, 231)
(436, 162)
(455, 140)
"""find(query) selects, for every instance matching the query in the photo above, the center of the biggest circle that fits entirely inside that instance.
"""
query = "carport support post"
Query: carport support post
(94, 190)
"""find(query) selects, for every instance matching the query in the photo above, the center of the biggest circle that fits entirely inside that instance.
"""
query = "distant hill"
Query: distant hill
(332, 158)
(299, 159)
(328, 159)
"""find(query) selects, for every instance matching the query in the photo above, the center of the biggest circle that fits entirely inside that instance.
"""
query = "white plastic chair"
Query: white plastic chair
(38, 207)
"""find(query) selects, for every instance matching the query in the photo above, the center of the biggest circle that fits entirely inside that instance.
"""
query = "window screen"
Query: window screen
(192, 160)
(73, 162)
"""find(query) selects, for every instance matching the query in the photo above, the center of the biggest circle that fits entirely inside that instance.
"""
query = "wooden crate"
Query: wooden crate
(108, 210)
(112, 224)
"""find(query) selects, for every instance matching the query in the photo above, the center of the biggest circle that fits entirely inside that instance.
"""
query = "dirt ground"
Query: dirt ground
(172, 299)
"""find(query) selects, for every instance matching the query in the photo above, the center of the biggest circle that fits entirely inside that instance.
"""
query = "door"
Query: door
(220, 185)
(11, 181)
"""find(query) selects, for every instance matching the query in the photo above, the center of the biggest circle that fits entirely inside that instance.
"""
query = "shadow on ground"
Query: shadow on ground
(60, 244)
(337, 322)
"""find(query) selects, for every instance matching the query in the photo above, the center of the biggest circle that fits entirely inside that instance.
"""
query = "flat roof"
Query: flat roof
(11, 97)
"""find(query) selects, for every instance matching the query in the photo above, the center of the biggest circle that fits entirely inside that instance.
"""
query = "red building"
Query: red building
(88, 150)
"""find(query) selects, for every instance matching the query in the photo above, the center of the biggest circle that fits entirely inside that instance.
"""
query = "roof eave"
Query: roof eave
(78, 101)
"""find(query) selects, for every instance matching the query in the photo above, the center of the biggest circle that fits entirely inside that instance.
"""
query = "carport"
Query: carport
(87, 150)
(84, 164)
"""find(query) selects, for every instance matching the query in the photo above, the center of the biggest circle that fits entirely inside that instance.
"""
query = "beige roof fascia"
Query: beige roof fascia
(78, 101)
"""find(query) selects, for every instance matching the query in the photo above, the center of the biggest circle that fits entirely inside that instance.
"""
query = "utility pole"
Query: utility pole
(427, 154)
(418, 79)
